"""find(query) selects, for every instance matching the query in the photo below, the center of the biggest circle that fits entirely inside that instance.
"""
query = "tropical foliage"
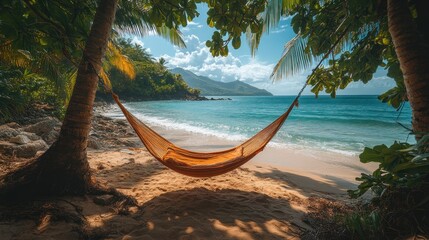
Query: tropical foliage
(365, 43)
(64, 168)
(399, 186)
(151, 81)
(401, 165)
(21, 90)
(11, 101)
(52, 37)
(46, 51)
(43, 56)
(358, 37)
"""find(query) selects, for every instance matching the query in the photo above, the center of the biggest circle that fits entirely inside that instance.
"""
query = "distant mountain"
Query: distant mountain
(211, 87)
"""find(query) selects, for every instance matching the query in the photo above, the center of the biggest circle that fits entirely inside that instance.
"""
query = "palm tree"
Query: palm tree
(46, 174)
(413, 54)
(50, 43)
(64, 168)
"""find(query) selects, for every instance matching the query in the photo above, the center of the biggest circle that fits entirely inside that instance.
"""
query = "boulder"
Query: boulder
(47, 128)
(51, 136)
(6, 148)
(127, 151)
(7, 132)
(94, 143)
(43, 126)
(129, 142)
(121, 122)
(13, 125)
(30, 149)
(25, 150)
(20, 139)
(31, 136)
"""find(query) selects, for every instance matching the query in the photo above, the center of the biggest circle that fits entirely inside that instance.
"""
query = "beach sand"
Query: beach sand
(267, 198)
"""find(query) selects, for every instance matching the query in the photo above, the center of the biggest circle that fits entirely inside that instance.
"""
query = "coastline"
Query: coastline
(280, 194)
(335, 169)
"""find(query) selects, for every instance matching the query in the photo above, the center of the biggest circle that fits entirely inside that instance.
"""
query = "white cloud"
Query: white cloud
(198, 59)
(192, 42)
(280, 29)
(191, 25)
(137, 41)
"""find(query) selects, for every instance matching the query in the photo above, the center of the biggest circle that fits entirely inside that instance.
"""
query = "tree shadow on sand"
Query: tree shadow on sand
(200, 213)
(128, 174)
(306, 185)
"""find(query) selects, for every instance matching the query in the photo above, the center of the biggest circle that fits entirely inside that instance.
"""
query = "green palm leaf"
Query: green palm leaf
(295, 58)
(171, 34)
(119, 61)
(253, 40)
(270, 18)
(274, 10)
(132, 18)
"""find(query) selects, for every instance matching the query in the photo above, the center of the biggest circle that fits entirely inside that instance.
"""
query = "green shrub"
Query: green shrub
(401, 165)
(20, 90)
(11, 100)
(400, 187)
(363, 224)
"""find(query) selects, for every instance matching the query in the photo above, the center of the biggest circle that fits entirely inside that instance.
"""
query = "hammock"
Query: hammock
(202, 164)
(208, 164)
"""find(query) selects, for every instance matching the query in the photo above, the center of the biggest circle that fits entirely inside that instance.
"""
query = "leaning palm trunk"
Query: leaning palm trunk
(64, 168)
(413, 55)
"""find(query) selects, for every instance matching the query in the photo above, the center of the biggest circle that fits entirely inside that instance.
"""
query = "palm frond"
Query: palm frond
(295, 58)
(171, 34)
(14, 58)
(274, 10)
(67, 89)
(253, 40)
(48, 65)
(272, 14)
(143, 29)
(119, 61)
(132, 18)
(346, 42)
(270, 18)
(106, 80)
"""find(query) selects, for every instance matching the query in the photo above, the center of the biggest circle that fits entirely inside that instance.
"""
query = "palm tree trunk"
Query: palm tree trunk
(413, 55)
(64, 168)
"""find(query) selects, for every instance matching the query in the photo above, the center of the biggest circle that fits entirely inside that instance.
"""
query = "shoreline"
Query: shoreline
(338, 171)
(276, 195)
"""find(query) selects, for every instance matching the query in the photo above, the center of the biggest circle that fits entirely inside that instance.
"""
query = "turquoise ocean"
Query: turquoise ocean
(345, 124)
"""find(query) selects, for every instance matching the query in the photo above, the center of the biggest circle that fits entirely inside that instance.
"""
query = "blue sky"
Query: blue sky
(239, 65)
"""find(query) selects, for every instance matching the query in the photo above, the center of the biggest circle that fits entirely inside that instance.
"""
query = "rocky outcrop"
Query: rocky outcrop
(25, 141)
(16, 142)
(47, 128)
(26, 150)
(112, 133)
(202, 98)
(7, 132)
(20, 139)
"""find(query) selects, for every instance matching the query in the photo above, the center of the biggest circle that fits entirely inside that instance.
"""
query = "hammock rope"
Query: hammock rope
(202, 164)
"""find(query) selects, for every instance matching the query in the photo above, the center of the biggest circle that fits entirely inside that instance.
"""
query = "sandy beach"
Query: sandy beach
(270, 197)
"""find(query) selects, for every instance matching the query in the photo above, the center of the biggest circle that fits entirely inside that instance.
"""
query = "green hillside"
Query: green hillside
(209, 87)
(152, 82)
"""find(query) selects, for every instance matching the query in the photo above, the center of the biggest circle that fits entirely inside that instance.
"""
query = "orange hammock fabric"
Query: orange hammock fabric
(202, 164)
